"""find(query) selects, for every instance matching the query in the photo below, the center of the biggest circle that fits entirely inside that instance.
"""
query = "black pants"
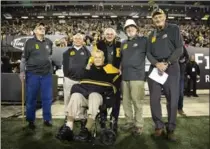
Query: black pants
(116, 108)
(181, 92)
(190, 81)
(171, 90)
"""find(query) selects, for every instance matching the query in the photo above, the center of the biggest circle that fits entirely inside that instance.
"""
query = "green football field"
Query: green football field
(192, 133)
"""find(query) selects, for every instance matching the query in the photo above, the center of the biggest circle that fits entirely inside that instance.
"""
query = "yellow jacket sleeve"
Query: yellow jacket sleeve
(110, 69)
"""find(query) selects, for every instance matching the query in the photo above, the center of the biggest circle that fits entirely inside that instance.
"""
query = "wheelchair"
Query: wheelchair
(107, 135)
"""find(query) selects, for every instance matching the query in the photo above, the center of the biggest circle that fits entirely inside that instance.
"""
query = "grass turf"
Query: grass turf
(192, 133)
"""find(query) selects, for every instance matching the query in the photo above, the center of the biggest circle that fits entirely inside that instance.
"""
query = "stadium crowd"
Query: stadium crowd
(195, 34)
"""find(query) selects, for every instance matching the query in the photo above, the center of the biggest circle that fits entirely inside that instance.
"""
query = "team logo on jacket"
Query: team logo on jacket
(125, 46)
(47, 47)
(135, 45)
(37, 46)
(72, 53)
(153, 39)
(117, 52)
(165, 36)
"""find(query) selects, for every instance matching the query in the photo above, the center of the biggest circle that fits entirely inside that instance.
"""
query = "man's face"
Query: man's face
(40, 30)
(78, 41)
(192, 58)
(109, 36)
(159, 20)
(131, 31)
(98, 59)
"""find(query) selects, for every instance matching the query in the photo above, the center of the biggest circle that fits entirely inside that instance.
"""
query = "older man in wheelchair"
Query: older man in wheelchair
(89, 99)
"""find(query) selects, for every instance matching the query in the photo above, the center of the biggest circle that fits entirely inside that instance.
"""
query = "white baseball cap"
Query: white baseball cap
(130, 22)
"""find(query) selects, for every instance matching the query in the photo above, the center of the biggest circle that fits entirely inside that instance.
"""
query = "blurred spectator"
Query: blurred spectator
(6, 67)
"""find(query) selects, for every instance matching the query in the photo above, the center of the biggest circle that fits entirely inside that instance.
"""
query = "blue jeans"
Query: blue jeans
(181, 93)
(34, 83)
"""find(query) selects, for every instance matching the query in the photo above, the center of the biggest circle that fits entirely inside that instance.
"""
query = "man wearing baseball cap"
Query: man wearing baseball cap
(133, 53)
(164, 49)
(36, 69)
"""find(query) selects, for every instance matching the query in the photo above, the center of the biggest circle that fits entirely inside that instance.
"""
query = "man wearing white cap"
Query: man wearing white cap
(133, 76)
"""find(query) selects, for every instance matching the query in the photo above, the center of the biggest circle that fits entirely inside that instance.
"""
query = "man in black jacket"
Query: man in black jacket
(75, 60)
(182, 63)
(165, 46)
(111, 48)
(88, 93)
(193, 73)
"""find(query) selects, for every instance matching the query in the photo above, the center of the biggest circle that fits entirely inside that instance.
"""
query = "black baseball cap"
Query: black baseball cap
(157, 11)
(39, 24)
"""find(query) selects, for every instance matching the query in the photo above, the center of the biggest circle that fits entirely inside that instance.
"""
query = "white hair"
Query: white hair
(79, 35)
(110, 30)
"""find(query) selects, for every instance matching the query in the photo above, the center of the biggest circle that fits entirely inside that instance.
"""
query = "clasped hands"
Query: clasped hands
(162, 66)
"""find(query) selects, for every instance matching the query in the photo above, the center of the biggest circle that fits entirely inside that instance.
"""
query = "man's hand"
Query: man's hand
(88, 66)
(188, 76)
(22, 76)
(120, 72)
(161, 66)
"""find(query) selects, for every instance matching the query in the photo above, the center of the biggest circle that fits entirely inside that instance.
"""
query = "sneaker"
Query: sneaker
(48, 123)
(31, 125)
(65, 133)
(84, 135)
(127, 127)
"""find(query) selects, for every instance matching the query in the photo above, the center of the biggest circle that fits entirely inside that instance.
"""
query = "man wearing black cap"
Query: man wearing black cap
(164, 49)
(36, 68)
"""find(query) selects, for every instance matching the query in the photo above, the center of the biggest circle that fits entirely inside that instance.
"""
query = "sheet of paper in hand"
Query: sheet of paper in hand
(154, 75)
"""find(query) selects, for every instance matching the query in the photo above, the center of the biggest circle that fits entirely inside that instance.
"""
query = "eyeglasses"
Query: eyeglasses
(41, 28)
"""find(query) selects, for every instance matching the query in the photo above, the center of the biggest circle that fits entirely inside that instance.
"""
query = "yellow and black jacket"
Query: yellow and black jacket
(102, 45)
(98, 79)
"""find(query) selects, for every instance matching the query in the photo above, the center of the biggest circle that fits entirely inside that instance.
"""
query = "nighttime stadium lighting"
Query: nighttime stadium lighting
(24, 17)
(204, 18)
(95, 16)
(187, 18)
(40, 17)
(149, 17)
(61, 16)
(135, 16)
(170, 17)
(113, 16)
(8, 17)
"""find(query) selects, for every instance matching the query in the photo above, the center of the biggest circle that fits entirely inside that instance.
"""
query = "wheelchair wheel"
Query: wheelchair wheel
(107, 137)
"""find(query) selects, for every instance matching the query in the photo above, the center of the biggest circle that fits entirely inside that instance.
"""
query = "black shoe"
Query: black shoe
(31, 125)
(65, 133)
(171, 136)
(84, 135)
(48, 123)
(195, 95)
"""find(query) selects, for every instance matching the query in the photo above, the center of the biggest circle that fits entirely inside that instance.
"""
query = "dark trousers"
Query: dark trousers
(190, 81)
(35, 82)
(116, 108)
(171, 90)
(181, 92)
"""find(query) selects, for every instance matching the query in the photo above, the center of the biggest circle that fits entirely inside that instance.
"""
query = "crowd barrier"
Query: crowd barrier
(11, 88)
